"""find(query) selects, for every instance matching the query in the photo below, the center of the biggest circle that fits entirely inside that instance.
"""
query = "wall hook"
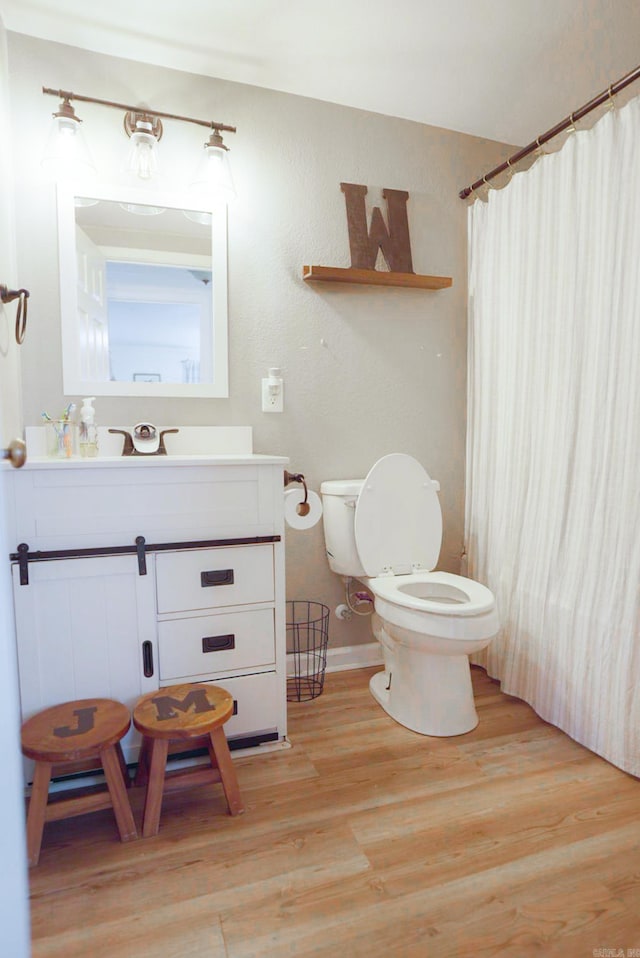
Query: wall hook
(22, 295)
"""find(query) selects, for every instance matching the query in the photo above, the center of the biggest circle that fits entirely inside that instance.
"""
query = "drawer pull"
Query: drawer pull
(218, 643)
(235, 706)
(147, 659)
(216, 577)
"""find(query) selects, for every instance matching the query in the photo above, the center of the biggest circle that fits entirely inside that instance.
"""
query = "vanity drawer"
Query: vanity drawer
(256, 704)
(211, 644)
(211, 578)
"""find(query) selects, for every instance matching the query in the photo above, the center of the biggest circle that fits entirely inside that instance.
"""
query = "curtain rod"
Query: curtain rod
(568, 121)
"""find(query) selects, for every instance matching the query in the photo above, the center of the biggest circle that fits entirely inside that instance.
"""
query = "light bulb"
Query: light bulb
(213, 175)
(143, 152)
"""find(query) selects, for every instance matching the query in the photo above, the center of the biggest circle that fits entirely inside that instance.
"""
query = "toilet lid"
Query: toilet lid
(398, 522)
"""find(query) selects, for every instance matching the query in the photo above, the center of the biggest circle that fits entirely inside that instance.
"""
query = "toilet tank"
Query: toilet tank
(339, 497)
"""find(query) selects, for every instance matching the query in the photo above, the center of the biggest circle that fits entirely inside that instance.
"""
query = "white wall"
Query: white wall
(367, 371)
(14, 910)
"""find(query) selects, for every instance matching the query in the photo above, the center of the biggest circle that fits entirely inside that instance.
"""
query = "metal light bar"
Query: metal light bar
(128, 108)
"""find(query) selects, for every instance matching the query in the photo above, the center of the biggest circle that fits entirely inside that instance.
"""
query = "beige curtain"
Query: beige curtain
(553, 484)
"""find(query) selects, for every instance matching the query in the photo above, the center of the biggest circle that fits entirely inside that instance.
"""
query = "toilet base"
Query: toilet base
(429, 694)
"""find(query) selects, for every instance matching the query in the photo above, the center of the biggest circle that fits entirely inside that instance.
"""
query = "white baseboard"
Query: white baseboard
(354, 657)
(346, 657)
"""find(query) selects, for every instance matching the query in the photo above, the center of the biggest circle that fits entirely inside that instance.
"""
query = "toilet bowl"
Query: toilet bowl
(386, 531)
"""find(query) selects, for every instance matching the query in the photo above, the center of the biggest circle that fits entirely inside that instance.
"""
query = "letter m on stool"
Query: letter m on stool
(168, 707)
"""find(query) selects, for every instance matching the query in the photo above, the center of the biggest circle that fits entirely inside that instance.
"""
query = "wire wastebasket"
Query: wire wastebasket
(307, 639)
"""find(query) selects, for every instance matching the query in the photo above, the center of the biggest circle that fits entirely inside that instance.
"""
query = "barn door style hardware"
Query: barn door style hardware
(22, 295)
(366, 241)
(23, 555)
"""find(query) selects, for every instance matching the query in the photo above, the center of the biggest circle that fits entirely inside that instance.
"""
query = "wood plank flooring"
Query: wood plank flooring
(364, 839)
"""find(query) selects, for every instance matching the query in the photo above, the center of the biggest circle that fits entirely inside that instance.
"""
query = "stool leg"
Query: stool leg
(155, 787)
(228, 778)
(126, 778)
(118, 792)
(142, 771)
(37, 810)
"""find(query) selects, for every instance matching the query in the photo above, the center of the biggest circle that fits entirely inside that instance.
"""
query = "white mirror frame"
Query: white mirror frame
(73, 383)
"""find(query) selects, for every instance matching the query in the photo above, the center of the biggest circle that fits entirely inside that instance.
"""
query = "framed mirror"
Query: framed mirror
(143, 294)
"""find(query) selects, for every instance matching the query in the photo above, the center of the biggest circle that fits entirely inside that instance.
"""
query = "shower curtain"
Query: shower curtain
(553, 448)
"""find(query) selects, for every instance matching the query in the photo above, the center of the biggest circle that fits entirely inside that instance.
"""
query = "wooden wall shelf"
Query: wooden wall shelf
(373, 277)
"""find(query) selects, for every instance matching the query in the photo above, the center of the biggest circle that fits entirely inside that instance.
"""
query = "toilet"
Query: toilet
(386, 531)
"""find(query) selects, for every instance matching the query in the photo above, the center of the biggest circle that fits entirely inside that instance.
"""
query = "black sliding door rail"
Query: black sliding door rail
(23, 556)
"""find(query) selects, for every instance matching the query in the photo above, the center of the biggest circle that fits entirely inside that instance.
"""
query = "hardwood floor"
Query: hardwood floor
(364, 839)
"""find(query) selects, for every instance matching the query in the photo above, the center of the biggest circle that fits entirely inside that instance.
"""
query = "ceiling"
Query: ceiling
(502, 69)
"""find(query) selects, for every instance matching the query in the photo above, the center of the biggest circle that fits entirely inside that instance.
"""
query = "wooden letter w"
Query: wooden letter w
(364, 244)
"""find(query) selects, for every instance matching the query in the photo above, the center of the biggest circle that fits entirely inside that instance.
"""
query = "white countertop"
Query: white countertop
(154, 462)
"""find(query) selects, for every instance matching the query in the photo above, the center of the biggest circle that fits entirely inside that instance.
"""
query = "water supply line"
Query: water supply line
(362, 598)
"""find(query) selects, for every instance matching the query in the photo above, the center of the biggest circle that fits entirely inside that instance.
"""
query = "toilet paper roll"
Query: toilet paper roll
(292, 498)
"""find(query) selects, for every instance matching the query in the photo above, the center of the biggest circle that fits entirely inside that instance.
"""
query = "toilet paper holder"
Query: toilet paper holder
(303, 507)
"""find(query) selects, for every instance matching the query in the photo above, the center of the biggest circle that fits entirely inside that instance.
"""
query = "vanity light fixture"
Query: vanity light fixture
(144, 127)
(66, 151)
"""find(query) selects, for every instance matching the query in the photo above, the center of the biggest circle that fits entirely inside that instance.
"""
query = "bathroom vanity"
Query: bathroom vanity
(134, 573)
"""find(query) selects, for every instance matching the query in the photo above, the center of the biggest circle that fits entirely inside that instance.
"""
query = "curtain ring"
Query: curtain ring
(612, 102)
(21, 316)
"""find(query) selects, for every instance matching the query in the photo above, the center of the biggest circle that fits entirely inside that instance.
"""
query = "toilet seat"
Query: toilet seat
(439, 593)
(398, 534)
(398, 521)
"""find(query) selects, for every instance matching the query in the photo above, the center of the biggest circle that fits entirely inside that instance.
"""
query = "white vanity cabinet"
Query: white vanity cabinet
(132, 574)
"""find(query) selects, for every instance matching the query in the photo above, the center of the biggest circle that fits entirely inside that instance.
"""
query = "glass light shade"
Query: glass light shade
(143, 152)
(66, 154)
(142, 209)
(213, 175)
(204, 219)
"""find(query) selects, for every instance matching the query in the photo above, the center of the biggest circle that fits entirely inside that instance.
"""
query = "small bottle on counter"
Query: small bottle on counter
(88, 429)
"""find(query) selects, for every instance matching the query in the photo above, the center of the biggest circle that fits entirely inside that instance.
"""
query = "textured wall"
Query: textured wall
(10, 411)
(367, 371)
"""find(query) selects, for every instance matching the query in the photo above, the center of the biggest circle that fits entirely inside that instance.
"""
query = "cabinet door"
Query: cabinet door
(81, 625)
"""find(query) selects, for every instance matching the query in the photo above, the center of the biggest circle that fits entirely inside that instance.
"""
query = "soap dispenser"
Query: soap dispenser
(88, 429)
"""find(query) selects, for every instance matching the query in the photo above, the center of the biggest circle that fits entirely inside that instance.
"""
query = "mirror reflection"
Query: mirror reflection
(157, 318)
(143, 296)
